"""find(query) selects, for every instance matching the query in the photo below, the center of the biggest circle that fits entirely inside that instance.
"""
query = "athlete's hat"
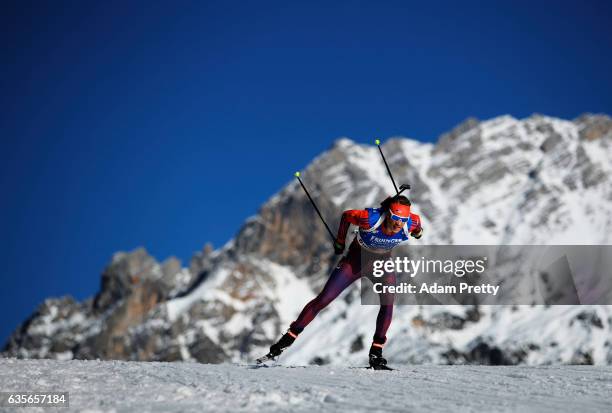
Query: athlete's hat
(399, 212)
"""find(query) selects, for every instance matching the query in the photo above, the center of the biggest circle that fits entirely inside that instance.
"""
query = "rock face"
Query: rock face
(538, 180)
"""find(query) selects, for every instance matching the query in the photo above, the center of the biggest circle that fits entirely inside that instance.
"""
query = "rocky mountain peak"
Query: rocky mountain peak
(539, 180)
(594, 126)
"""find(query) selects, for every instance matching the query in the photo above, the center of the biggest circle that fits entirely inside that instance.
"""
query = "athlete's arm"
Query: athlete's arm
(357, 217)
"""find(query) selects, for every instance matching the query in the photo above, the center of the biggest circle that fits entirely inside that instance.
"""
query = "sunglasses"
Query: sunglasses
(398, 217)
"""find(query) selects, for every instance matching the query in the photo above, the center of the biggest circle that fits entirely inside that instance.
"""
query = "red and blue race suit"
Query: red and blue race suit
(371, 243)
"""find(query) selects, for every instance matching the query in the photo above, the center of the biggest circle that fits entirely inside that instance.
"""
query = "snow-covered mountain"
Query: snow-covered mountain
(504, 181)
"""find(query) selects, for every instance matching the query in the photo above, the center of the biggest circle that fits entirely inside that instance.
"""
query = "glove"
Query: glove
(338, 247)
(418, 233)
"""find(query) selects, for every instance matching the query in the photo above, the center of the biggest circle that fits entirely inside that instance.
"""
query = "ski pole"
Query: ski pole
(402, 187)
(387, 165)
(297, 175)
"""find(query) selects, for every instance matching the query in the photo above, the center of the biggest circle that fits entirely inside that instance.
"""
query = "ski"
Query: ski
(381, 367)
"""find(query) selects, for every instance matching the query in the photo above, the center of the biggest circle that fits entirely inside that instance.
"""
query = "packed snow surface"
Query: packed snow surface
(106, 386)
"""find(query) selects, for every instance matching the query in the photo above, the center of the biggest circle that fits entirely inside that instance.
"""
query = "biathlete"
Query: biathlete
(380, 230)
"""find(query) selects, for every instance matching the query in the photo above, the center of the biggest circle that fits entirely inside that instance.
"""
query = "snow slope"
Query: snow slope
(115, 386)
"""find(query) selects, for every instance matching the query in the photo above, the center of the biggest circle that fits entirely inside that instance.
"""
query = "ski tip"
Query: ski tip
(297, 174)
(377, 141)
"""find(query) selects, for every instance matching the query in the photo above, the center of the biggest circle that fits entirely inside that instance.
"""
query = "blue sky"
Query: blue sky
(165, 125)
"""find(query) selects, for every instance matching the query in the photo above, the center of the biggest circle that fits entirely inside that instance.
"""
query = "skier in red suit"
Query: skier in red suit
(380, 230)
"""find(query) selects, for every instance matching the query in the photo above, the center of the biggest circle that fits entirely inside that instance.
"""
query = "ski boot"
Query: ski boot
(277, 348)
(377, 361)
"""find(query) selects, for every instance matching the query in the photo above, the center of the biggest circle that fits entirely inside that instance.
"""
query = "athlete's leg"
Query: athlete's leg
(385, 312)
(347, 271)
(342, 276)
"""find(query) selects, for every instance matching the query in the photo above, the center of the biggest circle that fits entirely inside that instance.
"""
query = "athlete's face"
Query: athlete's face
(392, 225)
